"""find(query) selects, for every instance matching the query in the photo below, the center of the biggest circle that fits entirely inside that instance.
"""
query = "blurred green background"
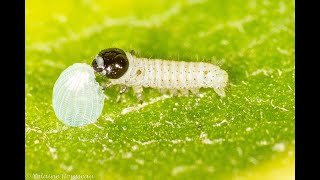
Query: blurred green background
(247, 135)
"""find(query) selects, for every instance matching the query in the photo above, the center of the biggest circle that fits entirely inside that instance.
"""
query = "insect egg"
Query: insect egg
(77, 98)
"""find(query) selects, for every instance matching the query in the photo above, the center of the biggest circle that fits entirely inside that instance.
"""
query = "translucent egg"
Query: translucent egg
(77, 98)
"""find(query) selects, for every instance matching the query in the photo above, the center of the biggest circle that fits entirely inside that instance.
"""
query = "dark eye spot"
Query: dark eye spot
(95, 66)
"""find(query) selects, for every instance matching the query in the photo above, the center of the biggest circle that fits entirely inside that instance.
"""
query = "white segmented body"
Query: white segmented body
(173, 75)
(77, 97)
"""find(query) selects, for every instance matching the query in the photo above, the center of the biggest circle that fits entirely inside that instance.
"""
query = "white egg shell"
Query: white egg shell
(77, 98)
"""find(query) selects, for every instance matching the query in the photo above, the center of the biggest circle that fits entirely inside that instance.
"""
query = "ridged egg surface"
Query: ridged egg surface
(77, 98)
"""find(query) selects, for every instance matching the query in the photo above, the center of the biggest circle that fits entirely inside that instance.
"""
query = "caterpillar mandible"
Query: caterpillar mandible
(125, 69)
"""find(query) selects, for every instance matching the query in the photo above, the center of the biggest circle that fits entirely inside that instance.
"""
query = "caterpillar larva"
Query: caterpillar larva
(125, 69)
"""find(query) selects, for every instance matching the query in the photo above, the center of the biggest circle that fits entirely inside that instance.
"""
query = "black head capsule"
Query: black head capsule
(111, 62)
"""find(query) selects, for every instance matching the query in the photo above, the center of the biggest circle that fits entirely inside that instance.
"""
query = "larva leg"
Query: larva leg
(184, 92)
(138, 91)
(163, 91)
(220, 92)
(122, 90)
(174, 92)
(107, 85)
(195, 91)
(132, 52)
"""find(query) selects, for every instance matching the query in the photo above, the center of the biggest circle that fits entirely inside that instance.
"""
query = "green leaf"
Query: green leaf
(248, 134)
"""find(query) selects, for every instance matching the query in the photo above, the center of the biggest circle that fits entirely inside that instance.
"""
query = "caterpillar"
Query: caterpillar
(125, 69)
